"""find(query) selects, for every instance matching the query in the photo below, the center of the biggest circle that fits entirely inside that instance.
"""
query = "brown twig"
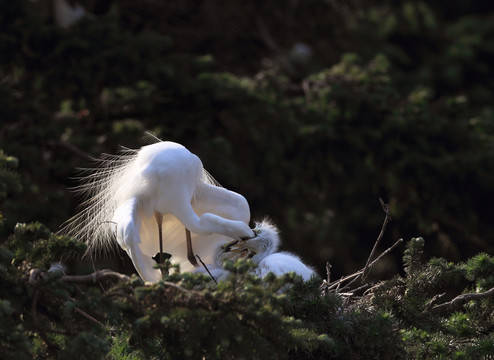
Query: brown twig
(355, 275)
(460, 300)
(383, 228)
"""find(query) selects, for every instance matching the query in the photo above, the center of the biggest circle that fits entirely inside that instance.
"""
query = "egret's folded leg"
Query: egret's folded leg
(159, 220)
(190, 252)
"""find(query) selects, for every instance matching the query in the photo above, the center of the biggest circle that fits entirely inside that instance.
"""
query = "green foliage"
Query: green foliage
(9, 180)
(426, 331)
(392, 100)
(480, 269)
(37, 245)
(53, 316)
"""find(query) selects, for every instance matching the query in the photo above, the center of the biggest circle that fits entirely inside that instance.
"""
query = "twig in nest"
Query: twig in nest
(461, 299)
(385, 207)
(355, 275)
(205, 267)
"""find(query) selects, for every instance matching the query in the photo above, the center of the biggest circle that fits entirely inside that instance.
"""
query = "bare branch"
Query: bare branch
(384, 253)
(386, 220)
(460, 300)
(355, 275)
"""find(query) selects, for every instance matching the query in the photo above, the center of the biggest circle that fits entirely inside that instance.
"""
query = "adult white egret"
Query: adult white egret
(262, 250)
(160, 190)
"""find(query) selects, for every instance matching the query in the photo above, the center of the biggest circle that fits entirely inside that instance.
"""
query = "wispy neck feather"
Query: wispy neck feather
(266, 242)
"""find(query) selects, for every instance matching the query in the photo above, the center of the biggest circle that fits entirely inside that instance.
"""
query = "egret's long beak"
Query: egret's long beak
(235, 246)
(228, 247)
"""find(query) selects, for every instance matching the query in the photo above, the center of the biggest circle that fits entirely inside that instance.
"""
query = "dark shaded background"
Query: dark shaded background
(310, 109)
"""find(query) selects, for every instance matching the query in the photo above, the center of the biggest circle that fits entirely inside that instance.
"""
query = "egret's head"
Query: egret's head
(264, 243)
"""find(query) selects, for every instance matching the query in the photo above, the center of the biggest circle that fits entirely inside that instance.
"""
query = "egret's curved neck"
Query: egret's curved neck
(264, 246)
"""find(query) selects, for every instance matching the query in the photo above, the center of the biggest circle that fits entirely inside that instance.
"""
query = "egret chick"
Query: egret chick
(262, 251)
(143, 196)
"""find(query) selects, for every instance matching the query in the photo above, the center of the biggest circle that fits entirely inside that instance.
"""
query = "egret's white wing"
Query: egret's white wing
(143, 264)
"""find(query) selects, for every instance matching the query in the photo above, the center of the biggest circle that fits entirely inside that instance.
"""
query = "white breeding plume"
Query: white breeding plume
(261, 249)
(161, 189)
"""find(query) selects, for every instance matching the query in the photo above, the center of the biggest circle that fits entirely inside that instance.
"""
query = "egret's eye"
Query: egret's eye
(257, 231)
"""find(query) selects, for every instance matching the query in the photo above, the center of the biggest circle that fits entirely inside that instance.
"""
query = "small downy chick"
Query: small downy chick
(262, 251)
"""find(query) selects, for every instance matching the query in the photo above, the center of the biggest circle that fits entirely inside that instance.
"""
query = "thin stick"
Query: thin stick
(337, 283)
(383, 228)
(360, 288)
(205, 267)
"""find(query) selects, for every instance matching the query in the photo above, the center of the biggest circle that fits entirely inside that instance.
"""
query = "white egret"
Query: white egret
(262, 250)
(160, 190)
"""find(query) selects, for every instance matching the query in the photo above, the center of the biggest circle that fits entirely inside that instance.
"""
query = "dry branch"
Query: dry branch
(385, 207)
(458, 301)
(354, 276)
